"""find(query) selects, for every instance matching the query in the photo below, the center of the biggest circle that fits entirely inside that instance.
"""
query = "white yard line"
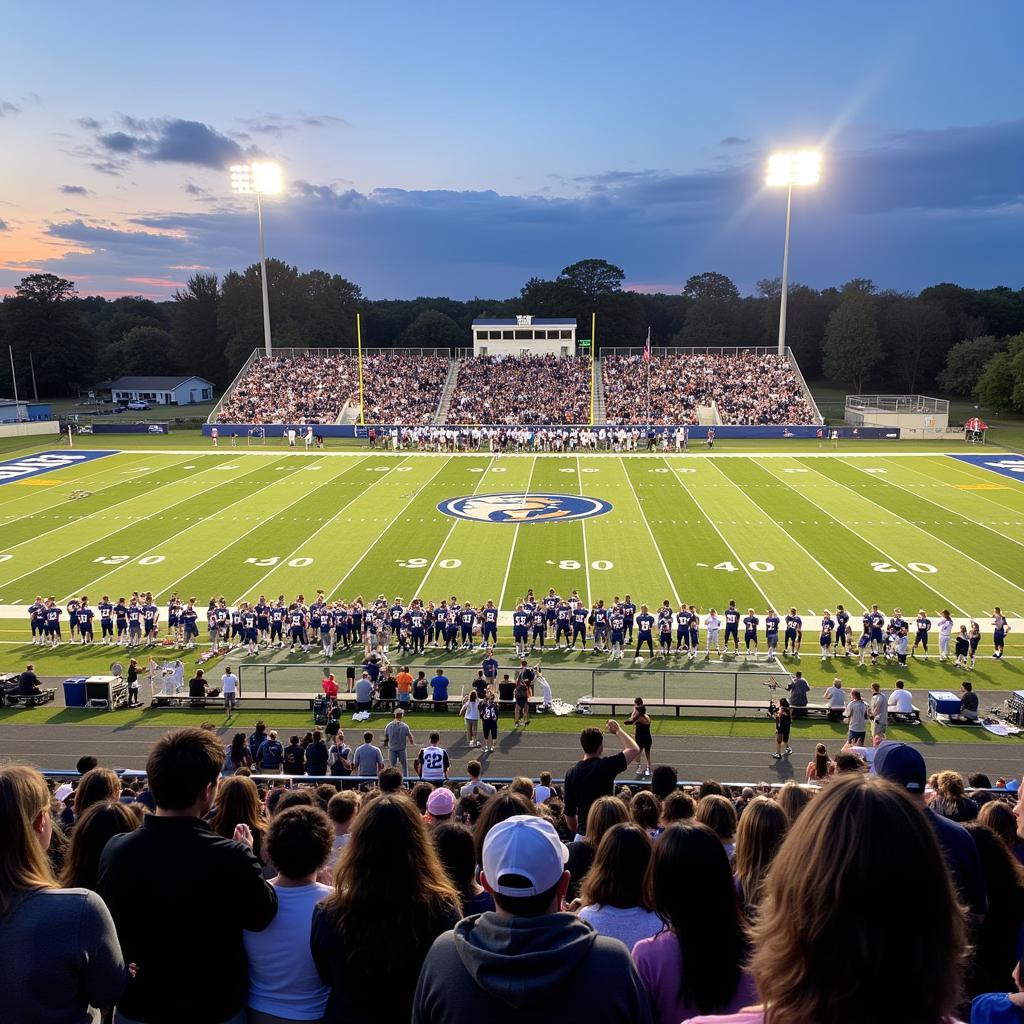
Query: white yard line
(163, 540)
(961, 468)
(391, 523)
(263, 522)
(712, 524)
(82, 547)
(949, 512)
(936, 537)
(583, 525)
(515, 538)
(650, 533)
(842, 586)
(871, 541)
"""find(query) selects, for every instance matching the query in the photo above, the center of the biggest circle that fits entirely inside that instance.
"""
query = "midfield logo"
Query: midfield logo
(33, 465)
(524, 507)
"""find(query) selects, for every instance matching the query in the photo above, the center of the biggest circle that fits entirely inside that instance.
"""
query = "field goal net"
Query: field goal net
(257, 436)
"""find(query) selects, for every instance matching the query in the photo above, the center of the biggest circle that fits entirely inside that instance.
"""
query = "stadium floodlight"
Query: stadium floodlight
(784, 171)
(260, 178)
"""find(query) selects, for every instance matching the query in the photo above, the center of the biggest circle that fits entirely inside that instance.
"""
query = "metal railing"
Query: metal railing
(897, 404)
(688, 350)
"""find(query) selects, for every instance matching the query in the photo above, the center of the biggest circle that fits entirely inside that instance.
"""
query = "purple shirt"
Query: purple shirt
(658, 962)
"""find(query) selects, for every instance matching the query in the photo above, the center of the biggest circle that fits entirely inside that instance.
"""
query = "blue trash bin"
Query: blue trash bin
(74, 692)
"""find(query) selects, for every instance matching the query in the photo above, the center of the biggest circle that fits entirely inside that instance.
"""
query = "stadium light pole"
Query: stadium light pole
(784, 171)
(260, 178)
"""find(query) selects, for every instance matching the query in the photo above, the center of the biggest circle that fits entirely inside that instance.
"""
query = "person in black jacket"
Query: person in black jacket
(316, 755)
(201, 884)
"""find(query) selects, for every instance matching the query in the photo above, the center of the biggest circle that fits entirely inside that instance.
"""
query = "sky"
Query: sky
(461, 148)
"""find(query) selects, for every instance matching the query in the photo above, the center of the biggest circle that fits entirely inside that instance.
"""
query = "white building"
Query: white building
(524, 335)
(159, 390)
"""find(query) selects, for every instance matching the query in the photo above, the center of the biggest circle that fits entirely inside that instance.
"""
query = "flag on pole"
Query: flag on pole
(647, 347)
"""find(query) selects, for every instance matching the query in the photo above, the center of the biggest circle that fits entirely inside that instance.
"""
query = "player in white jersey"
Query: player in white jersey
(713, 624)
(945, 633)
(433, 763)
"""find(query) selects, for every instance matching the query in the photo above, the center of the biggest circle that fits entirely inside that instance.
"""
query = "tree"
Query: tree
(329, 314)
(593, 278)
(966, 361)
(917, 337)
(851, 350)
(143, 350)
(198, 345)
(711, 285)
(433, 329)
(45, 290)
(1001, 385)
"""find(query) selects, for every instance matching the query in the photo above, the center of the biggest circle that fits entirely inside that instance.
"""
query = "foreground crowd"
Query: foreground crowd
(199, 896)
(746, 388)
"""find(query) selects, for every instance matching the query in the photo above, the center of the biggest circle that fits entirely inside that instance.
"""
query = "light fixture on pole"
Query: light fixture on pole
(260, 178)
(784, 171)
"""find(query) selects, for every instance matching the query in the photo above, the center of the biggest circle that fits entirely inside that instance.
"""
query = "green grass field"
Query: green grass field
(784, 527)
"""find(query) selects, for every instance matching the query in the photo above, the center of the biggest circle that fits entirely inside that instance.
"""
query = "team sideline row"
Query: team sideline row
(536, 623)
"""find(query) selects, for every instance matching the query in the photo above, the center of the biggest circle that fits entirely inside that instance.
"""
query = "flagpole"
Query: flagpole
(359, 345)
(593, 379)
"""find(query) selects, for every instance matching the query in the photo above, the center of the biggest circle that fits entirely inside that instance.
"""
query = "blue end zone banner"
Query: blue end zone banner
(129, 428)
(1005, 465)
(34, 465)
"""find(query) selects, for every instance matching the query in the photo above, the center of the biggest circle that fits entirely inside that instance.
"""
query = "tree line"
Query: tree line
(949, 339)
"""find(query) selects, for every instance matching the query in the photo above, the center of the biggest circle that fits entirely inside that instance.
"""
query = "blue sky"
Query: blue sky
(461, 148)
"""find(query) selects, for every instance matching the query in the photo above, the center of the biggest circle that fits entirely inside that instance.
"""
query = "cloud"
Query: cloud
(8, 108)
(75, 190)
(112, 167)
(89, 123)
(3, 225)
(192, 189)
(169, 140)
(277, 124)
(734, 140)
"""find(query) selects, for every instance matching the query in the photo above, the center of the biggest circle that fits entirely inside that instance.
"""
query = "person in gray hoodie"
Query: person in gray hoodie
(527, 956)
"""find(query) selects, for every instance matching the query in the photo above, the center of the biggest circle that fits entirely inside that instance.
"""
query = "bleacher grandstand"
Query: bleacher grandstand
(711, 387)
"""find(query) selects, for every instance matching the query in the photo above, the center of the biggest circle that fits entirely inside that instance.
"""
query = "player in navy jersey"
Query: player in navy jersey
(53, 614)
(85, 617)
(121, 620)
(417, 627)
(297, 628)
(644, 631)
(600, 619)
(771, 632)
(551, 603)
(665, 635)
(277, 617)
(617, 626)
(520, 629)
(922, 625)
(794, 634)
(864, 648)
(190, 624)
(150, 620)
(732, 627)
(395, 615)
(439, 616)
(250, 632)
(488, 626)
(72, 609)
(844, 640)
(451, 626)
(467, 620)
(682, 629)
(828, 625)
(539, 623)
(876, 622)
(222, 615)
(37, 620)
(628, 617)
(579, 627)
(134, 623)
(105, 611)
(694, 624)
(973, 640)
(897, 623)
(750, 624)
(358, 612)
(1000, 627)
(563, 624)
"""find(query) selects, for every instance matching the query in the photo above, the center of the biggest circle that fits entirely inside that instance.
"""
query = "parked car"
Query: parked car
(138, 406)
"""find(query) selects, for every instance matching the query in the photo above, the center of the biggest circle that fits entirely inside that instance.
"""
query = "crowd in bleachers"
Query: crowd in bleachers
(403, 389)
(217, 889)
(747, 388)
(308, 388)
(521, 389)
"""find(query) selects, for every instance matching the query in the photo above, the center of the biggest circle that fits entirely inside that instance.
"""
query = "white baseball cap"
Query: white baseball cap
(527, 846)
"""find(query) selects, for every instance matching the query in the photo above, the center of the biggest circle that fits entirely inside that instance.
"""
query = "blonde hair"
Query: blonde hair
(950, 785)
(23, 862)
(763, 826)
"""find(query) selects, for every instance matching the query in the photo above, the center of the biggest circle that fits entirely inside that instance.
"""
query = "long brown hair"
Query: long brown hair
(389, 871)
(605, 812)
(793, 798)
(238, 803)
(763, 826)
(23, 862)
(857, 828)
(616, 878)
(999, 817)
(97, 786)
(821, 762)
(99, 824)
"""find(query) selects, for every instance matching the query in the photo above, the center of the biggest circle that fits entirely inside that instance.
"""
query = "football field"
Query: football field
(808, 531)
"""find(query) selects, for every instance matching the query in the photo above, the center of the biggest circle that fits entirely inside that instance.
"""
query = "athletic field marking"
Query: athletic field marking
(583, 525)
(515, 537)
(952, 512)
(166, 540)
(893, 561)
(287, 558)
(945, 543)
(650, 533)
(455, 522)
(753, 501)
(82, 547)
(387, 526)
(262, 522)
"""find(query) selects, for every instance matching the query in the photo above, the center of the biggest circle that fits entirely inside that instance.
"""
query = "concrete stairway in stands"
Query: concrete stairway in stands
(598, 393)
(446, 392)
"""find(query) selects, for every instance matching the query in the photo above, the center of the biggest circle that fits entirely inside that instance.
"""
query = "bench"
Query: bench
(31, 700)
(451, 704)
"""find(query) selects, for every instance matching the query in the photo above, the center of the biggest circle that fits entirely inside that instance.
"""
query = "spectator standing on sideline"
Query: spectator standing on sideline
(61, 951)
(270, 756)
(527, 959)
(339, 757)
(856, 715)
(316, 755)
(229, 689)
(198, 870)
(390, 883)
(294, 758)
(283, 982)
(367, 760)
(879, 711)
(594, 776)
(475, 784)
(236, 756)
(433, 763)
(398, 737)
